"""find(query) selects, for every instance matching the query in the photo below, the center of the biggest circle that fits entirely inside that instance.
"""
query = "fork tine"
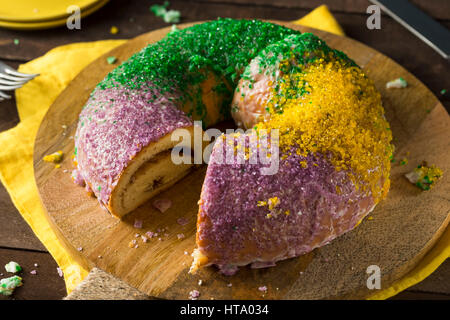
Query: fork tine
(4, 95)
(13, 78)
(20, 74)
(10, 87)
(10, 82)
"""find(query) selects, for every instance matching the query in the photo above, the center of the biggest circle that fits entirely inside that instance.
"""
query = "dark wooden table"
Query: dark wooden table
(133, 17)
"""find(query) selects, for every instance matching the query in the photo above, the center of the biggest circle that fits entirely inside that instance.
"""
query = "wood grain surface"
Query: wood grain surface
(404, 228)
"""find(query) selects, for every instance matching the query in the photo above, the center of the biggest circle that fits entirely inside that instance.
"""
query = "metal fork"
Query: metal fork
(10, 79)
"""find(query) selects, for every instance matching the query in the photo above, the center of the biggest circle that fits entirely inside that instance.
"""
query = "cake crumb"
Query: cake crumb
(13, 267)
(55, 157)
(8, 285)
(424, 176)
(397, 83)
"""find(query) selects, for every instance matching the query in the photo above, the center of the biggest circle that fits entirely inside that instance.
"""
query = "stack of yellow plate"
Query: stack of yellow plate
(42, 14)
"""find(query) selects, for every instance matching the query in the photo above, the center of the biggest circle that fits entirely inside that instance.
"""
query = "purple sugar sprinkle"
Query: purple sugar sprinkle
(78, 178)
(194, 294)
(138, 224)
(261, 264)
(33, 272)
(60, 272)
(182, 221)
(150, 234)
(263, 289)
(162, 204)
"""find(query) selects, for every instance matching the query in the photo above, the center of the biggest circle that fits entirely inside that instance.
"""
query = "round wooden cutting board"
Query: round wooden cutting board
(401, 231)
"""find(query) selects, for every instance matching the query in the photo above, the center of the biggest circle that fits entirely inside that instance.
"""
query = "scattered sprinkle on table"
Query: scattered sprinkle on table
(443, 91)
(151, 234)
(397, 83)
(111, 60)
(162, 204)
(114, 30)
(13, 267)
(138, 224)
(263, 289)
(33, 272)
(16, 42)
(180, 236)
(194, 294)
(182, 221)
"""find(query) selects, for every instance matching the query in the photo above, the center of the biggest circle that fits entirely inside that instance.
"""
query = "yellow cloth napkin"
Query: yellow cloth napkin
(57, 68)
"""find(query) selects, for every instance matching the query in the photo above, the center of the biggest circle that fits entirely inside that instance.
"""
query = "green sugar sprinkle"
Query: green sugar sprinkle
(221, 49)
(443, 91)
(111, 60)
(16, 42)
(183, 59)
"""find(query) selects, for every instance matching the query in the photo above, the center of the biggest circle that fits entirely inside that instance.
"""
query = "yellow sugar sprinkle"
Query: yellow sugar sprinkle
(273, 202)
(268, 216)
(370, 218)
(341, 114)
(114, 30)
(261, 203)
